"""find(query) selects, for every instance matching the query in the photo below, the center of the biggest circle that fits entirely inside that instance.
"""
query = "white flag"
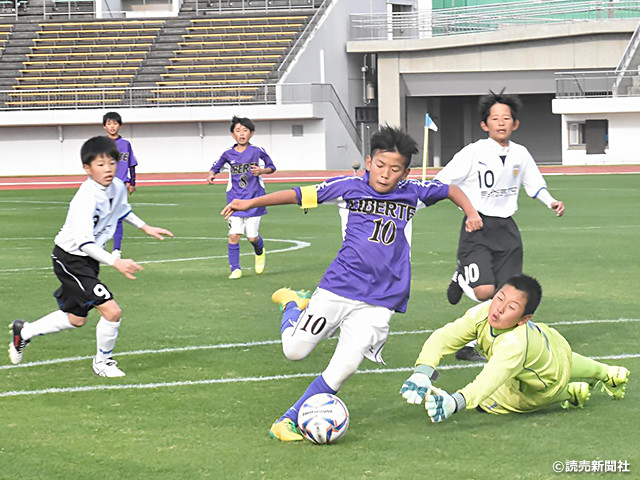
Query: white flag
(429, 123)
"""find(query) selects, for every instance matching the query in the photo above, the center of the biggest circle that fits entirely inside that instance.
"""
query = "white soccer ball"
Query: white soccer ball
(323, 418)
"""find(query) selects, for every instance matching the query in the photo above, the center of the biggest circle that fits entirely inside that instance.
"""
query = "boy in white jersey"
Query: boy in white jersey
(530, 365)
(370, 277)
(490, 172)
(91, 221)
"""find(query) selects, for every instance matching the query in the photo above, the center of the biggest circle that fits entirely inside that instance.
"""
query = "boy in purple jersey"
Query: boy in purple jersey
(246, 163)
(370, 278)
(126, 168)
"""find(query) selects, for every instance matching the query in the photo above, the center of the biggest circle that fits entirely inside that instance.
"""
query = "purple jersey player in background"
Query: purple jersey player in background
(246, 163)
(370, 278)
(125, 169)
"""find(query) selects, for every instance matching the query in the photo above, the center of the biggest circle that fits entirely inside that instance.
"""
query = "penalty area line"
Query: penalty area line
(214, 381)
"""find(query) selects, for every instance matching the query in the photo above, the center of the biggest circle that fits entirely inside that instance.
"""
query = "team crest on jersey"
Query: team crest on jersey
(516, 170)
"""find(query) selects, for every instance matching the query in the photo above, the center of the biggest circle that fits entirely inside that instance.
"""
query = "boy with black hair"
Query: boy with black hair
(490, 172)
(246, 163)
(530, 365)
(79, 249)
(370, 277)
(126, 169)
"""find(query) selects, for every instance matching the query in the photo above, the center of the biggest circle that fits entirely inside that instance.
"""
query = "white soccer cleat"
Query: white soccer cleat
(107, 368)
(17, 342)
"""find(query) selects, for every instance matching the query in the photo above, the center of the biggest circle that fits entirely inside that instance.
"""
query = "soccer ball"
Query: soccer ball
(323, 418)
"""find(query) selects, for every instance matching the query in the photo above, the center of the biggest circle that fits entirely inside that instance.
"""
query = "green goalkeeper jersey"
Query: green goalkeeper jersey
(528, 365)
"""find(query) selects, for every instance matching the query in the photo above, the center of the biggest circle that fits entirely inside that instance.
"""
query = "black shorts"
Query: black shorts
(491, 255)
(81, 289)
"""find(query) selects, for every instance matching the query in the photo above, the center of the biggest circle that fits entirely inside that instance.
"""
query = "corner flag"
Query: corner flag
(429, 124)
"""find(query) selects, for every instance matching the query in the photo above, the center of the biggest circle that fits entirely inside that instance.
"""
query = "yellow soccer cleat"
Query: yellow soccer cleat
(616, 382)
(580, 393)
(260, 261)
(286, 295)
(237, 273)
(285, 431)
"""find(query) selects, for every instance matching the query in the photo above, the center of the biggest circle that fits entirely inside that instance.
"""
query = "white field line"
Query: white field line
(212, 381)
(297, 245)
(65, 204)
(256, 379)
(259, 343)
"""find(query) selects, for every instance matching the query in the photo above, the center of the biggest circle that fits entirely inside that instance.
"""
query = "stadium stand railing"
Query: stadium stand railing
(485, 18)
(598, 84)
(167, 96)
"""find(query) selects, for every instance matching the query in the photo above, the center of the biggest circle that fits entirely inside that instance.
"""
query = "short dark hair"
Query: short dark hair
(96, 146)
(244, 121)
(111, 116)
(530, 287)
(389, 139)
(489, 100)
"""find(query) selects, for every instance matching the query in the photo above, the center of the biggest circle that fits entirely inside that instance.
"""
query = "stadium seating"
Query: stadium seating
(218, 59)
(79, 55)
(230, 51)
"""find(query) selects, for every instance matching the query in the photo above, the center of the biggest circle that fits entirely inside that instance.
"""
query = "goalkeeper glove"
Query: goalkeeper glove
(442, 405)
(416, 386)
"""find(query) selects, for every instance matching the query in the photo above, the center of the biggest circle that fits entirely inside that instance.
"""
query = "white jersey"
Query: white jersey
(93, 215)
(491, 185)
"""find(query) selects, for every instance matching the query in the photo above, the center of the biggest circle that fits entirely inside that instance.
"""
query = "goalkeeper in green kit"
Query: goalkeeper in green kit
(530, 365)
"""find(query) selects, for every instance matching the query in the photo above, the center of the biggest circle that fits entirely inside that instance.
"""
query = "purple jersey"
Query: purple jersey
(242, 183)
(125, 169)
(374, 263)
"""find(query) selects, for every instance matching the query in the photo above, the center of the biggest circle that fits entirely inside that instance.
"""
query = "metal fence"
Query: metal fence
(253, 6)
(600, 84)
(170, 97)
(485, 18)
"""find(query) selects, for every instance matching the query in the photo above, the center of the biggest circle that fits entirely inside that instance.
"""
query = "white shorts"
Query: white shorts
(238, 226)
(363, 327)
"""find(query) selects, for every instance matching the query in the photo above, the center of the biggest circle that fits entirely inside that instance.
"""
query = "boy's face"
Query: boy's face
(507, 308)
(500, 124)
(241, 134)
(112, 127)
(102, 169)
(386, 169)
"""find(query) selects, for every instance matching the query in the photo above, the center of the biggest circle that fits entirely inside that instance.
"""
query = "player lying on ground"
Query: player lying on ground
(79, 248)
(370, 278)
(530, 364)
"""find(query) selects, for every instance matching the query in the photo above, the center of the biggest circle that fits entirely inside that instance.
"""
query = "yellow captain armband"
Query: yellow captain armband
(309, 197)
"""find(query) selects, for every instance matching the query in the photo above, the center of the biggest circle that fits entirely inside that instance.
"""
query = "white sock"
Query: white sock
(51, 323)
(468, 291)
(106, 335)
(472, 344)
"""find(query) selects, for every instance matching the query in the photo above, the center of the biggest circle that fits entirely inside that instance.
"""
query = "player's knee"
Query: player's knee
(252, 239)
(76, 321)
(294, 352)
(484, 292)
(110, 311)
(234, 238)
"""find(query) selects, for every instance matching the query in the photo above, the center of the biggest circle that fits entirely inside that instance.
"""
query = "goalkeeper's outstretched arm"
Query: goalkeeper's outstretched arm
(283, 197)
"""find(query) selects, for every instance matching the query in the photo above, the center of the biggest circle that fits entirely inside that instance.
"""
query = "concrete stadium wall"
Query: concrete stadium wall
(623, 115)
(175, 139)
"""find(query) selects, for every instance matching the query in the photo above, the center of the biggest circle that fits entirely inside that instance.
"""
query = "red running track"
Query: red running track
(159, 179)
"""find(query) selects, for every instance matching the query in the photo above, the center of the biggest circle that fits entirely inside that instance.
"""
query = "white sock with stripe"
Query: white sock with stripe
(468, 290)
(106, 335)
(52, 323)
